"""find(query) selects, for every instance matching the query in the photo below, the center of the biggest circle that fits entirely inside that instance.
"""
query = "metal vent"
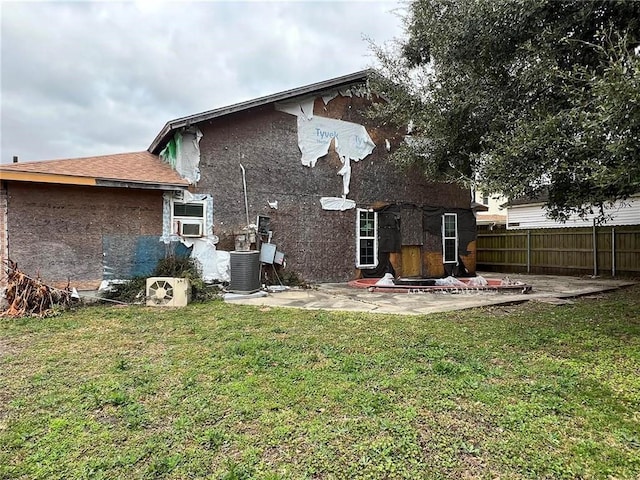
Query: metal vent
(245, 272)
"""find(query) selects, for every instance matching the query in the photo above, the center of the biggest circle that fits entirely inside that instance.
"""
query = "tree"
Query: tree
(520, 97)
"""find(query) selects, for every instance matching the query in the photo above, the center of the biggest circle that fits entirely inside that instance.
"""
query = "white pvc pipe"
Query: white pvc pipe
(244, 186)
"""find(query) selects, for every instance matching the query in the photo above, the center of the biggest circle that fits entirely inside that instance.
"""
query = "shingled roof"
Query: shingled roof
(136, 170)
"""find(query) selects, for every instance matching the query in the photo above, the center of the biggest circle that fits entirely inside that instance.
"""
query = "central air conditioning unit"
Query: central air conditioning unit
(190, 228)
(244, 271)
(168, 292)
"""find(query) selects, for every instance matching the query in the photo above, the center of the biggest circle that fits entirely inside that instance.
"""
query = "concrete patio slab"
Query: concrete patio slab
(341, 297)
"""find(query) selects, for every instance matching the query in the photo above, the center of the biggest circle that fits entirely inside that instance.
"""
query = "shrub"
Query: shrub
(133, 290)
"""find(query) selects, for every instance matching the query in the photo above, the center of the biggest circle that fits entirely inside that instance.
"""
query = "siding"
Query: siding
(534, 216)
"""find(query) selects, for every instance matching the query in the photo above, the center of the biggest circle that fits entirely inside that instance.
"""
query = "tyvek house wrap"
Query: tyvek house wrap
(315, 134)
(183, 154)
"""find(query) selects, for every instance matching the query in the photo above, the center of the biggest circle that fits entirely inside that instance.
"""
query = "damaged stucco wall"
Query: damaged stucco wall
(319, 244)
(214, 264)
(73, 232)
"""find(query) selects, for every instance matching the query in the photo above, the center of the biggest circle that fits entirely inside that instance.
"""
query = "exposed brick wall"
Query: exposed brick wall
(57, 231)
(320, 245)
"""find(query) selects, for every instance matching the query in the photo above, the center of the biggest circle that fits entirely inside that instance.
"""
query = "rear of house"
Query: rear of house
(319, 169)
(308, 165)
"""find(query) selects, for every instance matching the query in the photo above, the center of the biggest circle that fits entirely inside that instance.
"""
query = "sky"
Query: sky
(93, 78)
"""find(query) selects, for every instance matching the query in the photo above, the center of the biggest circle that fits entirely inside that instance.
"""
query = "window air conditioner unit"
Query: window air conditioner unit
(190, 228)
(168, 292)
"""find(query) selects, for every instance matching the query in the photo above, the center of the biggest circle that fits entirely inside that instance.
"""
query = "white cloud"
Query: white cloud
(90, 78)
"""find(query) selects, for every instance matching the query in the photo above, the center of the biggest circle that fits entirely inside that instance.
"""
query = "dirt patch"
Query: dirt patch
(6, 348)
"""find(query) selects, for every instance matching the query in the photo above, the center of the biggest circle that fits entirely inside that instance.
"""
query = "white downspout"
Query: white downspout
(244, 186)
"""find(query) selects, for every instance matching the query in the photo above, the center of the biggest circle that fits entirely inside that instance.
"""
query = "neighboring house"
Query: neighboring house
(307, 164)
(523, 214)
(495, 216)
(534, 243)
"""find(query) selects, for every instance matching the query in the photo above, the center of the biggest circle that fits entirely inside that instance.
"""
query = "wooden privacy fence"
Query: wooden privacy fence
(611, 251)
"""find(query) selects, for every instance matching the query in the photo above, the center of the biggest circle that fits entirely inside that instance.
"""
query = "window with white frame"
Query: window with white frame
(367, 239)
(450, 238)
(188, 219)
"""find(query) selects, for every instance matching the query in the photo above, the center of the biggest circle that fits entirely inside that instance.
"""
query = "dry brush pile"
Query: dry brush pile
(28, 296)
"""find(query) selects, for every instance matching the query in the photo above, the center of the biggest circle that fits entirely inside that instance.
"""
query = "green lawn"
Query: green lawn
(231, 392)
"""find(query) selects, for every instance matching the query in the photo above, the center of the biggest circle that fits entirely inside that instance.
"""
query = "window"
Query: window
(188, 218)
(367, 239)
(485, 199)
(450, 238)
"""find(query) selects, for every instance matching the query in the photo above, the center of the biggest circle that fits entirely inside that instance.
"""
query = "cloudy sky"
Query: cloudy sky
(92, 78)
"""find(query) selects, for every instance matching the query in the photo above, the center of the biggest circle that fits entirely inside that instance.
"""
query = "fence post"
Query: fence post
(613, 251)
(528, 251)
(595, 250)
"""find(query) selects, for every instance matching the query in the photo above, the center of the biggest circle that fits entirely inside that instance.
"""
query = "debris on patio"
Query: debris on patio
(26, 296)
(440, 285)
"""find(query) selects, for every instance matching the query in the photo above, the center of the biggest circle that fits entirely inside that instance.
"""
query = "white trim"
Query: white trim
(444, 238)
(374, 238)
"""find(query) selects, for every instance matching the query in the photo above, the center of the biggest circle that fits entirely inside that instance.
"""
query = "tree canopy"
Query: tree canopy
(520, 96)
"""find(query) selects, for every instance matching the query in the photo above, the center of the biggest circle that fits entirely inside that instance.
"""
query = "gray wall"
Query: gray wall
(320, 245)
(61, 231)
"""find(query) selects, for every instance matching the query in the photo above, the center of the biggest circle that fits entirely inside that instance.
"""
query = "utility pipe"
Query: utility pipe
(244, 186)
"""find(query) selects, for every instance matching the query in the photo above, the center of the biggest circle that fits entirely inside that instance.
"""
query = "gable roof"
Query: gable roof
(136, 170)
(165, 134)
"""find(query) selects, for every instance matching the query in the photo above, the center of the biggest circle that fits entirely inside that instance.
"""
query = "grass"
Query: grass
(230, 392)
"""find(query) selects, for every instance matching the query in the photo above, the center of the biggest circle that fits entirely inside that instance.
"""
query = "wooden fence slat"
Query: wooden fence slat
(562, 251)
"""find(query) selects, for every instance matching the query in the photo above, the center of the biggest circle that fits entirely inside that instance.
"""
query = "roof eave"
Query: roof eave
(479, 207)
(522, 205)
(77, 180)
(40, 177)
(219, 112)
(100, 182)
